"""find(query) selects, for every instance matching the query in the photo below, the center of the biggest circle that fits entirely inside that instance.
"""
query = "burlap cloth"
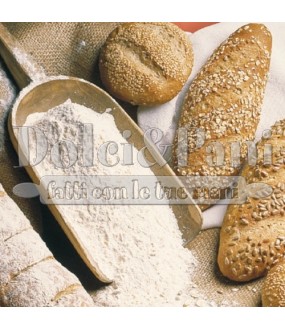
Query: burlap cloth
(72, 49)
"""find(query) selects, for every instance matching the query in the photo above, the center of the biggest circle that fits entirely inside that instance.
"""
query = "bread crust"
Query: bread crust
(224, 100)
(29, 274)
(146, 63)
(252, 237)
(273, 289)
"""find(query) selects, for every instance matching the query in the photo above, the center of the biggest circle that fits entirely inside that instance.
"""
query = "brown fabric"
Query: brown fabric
(212, 283)
(72, 49)
(69, 49)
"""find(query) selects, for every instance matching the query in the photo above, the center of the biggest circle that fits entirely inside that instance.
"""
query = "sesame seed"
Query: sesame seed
(220, 119)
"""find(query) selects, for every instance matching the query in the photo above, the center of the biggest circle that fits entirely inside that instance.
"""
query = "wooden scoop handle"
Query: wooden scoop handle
(21, 65)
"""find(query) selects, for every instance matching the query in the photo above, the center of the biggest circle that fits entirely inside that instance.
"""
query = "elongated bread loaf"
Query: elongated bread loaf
(252, 237)
(224, 102)
(29, 274)
(273, 290)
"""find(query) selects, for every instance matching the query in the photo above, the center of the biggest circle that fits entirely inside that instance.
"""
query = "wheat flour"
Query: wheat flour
(139, 246)
(35, 72)
(7, 95)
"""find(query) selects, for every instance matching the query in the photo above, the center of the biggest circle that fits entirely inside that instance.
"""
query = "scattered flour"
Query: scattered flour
(7, 96)
(36, 72)
(139, 246)
(7, 90)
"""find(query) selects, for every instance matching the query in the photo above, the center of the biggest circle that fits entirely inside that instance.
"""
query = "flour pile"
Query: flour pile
(139, 246)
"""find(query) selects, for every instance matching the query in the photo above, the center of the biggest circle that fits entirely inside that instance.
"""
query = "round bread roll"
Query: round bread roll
(273, 290)
(146, 63)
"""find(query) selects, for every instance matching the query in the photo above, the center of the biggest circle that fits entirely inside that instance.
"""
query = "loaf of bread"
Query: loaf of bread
(252, 237)
(224, 103)
(146, 63)
(29, 274)
(273, 289)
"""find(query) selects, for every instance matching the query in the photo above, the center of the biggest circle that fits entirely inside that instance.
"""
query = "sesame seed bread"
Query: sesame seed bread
(252, 237)
(273, 290)
(146, 63)
(30, 276)
(224, 100)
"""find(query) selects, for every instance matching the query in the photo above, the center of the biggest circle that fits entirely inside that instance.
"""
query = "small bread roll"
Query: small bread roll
(273, 290)
(146, 63)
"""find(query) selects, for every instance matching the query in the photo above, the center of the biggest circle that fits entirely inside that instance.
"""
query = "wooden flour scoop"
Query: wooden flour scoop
(51, 92)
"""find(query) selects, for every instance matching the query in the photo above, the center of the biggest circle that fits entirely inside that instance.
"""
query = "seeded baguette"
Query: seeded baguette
(273, 290)
(29, 274)
(224, 100)
(146, 63)
(252, 237)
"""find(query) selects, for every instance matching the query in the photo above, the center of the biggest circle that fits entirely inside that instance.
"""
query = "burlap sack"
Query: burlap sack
(72, 49)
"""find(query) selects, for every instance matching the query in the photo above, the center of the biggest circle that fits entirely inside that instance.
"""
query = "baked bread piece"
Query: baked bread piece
(273, 290)
(224, 101)
(146, 63)
(252, 237)
(29, 274)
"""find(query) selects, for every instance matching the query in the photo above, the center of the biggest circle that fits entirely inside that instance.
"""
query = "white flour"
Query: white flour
(7, 95)
(139, 246)
(35, 72)
(8, 91)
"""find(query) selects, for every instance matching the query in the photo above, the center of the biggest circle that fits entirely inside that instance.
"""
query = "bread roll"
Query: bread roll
(224, 102)
(273, 290)
(146, 63)
(252, 237)
(29, 274)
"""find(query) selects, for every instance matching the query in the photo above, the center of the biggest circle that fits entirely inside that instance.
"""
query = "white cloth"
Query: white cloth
(205, 41)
